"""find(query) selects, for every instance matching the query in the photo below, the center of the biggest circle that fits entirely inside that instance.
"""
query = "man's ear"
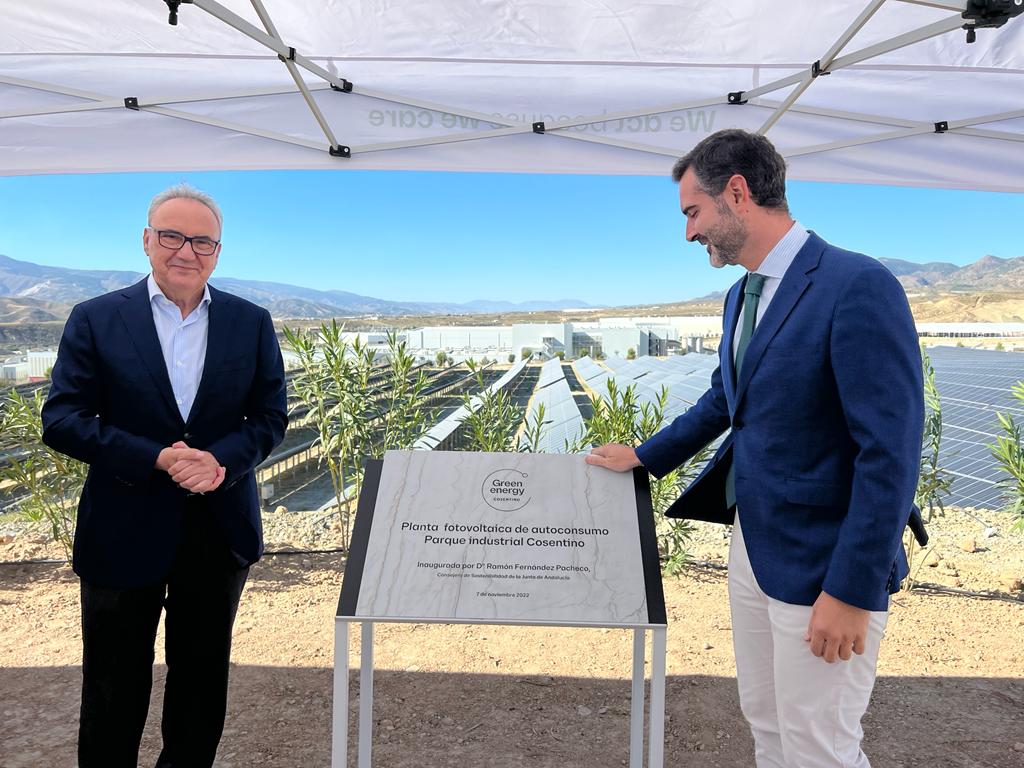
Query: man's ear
(736, 190)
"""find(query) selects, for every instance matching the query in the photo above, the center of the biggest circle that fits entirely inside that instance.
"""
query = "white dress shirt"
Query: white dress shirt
(774, 269)
(183, 342)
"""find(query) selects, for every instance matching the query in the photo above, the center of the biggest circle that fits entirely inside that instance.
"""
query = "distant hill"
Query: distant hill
(901, 268)
(55, 286)
(30, 311)
(25, 280)
(989, 273)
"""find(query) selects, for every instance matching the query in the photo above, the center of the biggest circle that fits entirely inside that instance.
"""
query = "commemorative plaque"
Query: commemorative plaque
(503, 538)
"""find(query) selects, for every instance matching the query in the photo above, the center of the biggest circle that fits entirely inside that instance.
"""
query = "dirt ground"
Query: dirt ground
(950, 690)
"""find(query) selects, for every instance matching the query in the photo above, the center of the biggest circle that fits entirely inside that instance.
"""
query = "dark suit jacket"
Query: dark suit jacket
(111, 405)
(826, 419)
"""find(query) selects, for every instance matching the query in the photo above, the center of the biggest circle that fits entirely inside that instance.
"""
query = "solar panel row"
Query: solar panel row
(550, 372)
(973, 386)
(563, 424)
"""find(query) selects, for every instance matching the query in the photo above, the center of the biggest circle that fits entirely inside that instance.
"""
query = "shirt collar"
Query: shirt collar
(154, 292)
(781, 256)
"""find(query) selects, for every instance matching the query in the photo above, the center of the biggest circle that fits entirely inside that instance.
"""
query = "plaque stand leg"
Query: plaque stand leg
(339, 724)
(656, 729)
(366, 695)
(656, 721)
(655, 725)
(636, 701)
(339, 729)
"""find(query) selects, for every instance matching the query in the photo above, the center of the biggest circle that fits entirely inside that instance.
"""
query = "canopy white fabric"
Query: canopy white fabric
(621, 86)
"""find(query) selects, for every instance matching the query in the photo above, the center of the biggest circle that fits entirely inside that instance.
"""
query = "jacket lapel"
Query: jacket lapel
(792, 287)
(218, 334)
(725, 358)
(137, 315)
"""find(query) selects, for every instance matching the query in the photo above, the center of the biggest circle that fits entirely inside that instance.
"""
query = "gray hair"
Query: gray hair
(185, 191)
(720, 156)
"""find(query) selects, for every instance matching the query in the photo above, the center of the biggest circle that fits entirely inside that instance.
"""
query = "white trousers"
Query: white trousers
(803, 712)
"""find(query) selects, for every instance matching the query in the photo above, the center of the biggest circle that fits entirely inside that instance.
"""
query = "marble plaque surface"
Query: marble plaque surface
(502, 537)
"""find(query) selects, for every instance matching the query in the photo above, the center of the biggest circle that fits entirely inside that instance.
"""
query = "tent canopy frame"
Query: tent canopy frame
(333, 86)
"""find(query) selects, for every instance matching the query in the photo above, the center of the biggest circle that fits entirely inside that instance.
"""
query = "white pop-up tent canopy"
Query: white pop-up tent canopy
(848, 90)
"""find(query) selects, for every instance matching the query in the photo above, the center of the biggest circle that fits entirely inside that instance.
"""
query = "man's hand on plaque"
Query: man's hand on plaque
(614, 456)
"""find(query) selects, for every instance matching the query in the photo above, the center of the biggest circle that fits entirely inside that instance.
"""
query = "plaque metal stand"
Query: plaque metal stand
(656, 715)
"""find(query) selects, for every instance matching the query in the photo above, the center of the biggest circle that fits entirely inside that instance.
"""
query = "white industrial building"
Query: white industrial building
(459, 337)
(545, 338)
(28, 367)
(40, 363)
(685, 326)
(367, 338)
(617, 342)
(14, 369)
(658, 336)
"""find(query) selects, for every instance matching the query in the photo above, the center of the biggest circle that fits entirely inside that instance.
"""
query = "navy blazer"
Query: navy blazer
(826, 424)
(111, 405)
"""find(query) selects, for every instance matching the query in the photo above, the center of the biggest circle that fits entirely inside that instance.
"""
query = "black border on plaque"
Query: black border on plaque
(649, 548)
(360, 539)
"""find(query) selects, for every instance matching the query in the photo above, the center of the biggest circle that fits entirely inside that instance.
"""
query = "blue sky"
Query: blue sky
(605, 240)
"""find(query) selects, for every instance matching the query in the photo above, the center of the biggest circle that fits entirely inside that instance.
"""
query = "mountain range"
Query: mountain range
(32, 292)
(35, 293)
(987, 274)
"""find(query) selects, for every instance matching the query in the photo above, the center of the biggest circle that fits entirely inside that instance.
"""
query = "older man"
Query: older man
(172, 391)
(819, 379)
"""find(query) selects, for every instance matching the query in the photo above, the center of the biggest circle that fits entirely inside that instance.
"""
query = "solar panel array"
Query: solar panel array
(563, 424)
(685, 377)
(973, 386)
(441, 431)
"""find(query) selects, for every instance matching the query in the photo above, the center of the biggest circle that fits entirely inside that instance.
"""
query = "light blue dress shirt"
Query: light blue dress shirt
(774, 269)
(183, 343)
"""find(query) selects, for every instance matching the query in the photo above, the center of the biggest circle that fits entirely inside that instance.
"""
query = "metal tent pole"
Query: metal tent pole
(822, 65)
(293, 70)
(886, 46)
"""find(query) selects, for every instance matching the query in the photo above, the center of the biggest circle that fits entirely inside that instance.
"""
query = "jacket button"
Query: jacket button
(187, 436)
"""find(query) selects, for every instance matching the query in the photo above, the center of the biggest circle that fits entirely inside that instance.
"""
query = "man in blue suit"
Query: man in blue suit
(819, 380)
(172, 391)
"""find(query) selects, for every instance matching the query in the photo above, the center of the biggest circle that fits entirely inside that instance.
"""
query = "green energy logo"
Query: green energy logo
(505, 490)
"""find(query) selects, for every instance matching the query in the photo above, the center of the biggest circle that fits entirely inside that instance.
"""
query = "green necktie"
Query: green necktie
(751, 297)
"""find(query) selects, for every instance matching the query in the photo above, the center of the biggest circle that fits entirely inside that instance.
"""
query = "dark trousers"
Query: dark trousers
(119, 628)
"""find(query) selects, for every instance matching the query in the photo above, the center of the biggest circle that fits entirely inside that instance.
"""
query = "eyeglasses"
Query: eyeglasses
(201, 245)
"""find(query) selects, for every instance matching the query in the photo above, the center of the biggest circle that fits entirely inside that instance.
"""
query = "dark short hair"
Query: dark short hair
(723, 154)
